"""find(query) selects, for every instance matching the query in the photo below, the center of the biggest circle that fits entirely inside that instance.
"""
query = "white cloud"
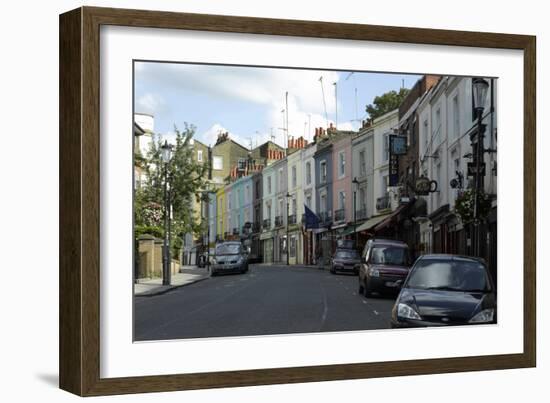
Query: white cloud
(265, 86)
(210, 136)
(261, 86)
(149, 103)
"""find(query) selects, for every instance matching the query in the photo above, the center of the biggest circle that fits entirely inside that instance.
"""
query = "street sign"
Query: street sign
(472, 169)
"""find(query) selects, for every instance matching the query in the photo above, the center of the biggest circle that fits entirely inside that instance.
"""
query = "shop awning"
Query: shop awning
(390, 218)
(371, 222)
(350, 229)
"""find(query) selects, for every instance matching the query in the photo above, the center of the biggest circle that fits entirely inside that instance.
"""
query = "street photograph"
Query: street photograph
(273, 200)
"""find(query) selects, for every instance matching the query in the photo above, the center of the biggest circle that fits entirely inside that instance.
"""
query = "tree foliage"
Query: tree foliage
(185, 177)
(385, 103)
(465, 205)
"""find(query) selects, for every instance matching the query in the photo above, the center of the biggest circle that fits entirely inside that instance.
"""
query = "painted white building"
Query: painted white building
(384, 198)
(147, 123)
(296, 205)
(446, 119)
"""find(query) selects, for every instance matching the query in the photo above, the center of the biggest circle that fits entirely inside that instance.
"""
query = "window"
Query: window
(281, 207)
(437, 126)
(323, 206)
(199, 155)
(323, 171)
(341, 164)
(268, 212)
(341, 200)
(293, 206)
(217, 162)
(269, 185)
(294, 176)
(362, 163)
(362, 199)
(308, 201)
(412, 132)
(384, 184)
(425, 135)
(386, 151)
(308, 173)
(281, 179)
(293, 246)
(438, 180)
(456, 117)
(241, 164)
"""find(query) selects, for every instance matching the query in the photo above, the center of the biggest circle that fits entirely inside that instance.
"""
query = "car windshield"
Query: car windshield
(228, 249)
(452, 275)
(346, 254)
(389, 255)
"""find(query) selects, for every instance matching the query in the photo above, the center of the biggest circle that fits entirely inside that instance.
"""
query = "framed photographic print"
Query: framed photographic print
(250, 201)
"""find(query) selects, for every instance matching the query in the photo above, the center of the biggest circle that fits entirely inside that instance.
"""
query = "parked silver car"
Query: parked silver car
(229, 257)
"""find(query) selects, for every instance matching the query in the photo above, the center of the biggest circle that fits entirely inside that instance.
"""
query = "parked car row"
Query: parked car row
(434, 290)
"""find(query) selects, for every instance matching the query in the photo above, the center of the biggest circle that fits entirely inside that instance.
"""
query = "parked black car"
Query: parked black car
(385, 262)
(347, 260)
(444, 290)
(229, 257)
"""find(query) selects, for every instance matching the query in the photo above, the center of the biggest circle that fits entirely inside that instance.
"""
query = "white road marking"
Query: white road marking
(376, 313)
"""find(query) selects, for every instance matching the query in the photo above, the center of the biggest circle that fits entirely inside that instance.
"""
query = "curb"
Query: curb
(166, 290)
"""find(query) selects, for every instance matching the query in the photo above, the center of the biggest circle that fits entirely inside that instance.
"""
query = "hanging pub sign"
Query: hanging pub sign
(424, 186)
(398, 146)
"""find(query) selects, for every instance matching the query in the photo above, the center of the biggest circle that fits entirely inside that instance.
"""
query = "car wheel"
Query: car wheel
(332, 270)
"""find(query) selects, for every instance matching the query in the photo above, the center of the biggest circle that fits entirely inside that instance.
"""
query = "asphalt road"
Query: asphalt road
(266, 300)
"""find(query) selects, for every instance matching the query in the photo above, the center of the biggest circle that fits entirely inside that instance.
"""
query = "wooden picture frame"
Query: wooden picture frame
(80, 187)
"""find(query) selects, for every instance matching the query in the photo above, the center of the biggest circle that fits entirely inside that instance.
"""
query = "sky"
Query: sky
(248, 102)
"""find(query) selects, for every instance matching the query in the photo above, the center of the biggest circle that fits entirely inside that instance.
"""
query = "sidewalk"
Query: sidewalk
(187, 275)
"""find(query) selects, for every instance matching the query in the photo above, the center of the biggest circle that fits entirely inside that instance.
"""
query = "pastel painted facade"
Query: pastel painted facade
(241, 193)
(220, 213)
(296, 206)
(280, 199)
(323, 183)
(309, 199)
(363, 171)
(342, 197)
(267, 235)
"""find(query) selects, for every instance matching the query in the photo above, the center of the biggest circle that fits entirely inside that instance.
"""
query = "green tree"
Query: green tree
(386, 102)
(185, 176)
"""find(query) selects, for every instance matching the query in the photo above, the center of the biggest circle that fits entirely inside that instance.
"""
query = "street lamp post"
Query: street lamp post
(166, 150)
(356, 184)
(480, 87)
